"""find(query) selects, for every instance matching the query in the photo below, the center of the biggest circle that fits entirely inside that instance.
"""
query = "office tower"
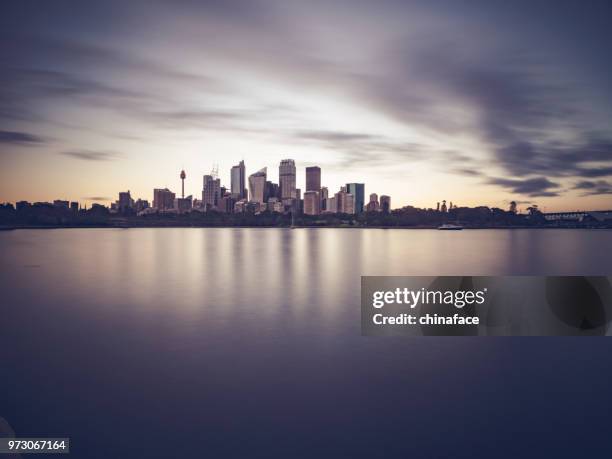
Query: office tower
(330, 205)
(163, 199)
(324, 197)
(513, 207)
(211, 192)
(74, 206)
(61, 204)
(184, 204)
(345, 201)
(443, 208)
(385, 204)
(238, 179)
(349, 204)
(358, 192)
(313, 179)
(22, 205)
(312, 203)
(373, 205)
(438, 207)
(257, 186)
(125, 201)
(140, 205)
(226, 203)
(286, 176)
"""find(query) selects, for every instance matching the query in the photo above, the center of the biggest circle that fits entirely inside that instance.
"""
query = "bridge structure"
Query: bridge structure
(580, 215)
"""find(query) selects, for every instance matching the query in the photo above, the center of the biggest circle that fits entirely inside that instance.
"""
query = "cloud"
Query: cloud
(97, 198)
(86, 155)
(20, 138)
(539, 186)
(592, 188)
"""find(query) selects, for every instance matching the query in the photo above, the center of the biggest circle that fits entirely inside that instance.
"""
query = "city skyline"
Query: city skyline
(485, 103)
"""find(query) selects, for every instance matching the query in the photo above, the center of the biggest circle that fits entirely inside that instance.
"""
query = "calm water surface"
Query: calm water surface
(246, 343)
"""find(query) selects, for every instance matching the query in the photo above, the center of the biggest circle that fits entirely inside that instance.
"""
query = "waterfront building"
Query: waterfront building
(125, 201)
(385, 203)
(373, 205)
(163, 199)
(211, 192)
(184, 204)
(257, 186)
(358, 192)
(312, 203)
(324, 197)
(286, 179)
(61, 204)
(313, 179)
(238, 181)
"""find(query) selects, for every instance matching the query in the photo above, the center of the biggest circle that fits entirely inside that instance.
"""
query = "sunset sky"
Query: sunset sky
(472, 102)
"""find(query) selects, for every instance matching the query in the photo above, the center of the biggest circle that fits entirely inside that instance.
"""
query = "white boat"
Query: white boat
(450, 227)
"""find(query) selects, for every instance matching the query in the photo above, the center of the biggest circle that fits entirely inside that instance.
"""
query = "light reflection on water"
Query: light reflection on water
(184, 333)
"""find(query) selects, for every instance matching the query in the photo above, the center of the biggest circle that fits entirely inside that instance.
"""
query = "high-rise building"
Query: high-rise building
(324, 197)
(443, 208)
(257, 186)
(358, 192)
(313, 179)
(125, 201)
(61, 204)
(163, 199)
(349, 204)
(211, 192)
(345, 201)
(330, 205)
(513, 207)
(184, 204)
(373, 205)
(286, 179)
(385, 203)
(238, 181)
(312, 203)
(226, 203)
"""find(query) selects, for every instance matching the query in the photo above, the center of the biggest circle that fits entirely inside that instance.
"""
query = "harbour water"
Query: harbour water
(244, 342)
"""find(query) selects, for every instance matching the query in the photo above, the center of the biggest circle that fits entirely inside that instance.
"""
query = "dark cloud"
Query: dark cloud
(97, 198)
(91, 155)
(20, 138)
(591, 188)
(357, 149)
(539, 186)
(502, 77)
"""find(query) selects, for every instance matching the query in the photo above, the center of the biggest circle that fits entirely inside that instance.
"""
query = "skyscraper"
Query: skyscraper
(312, 203)
(257, 186)
(125, 201)
(163, 199)
(313, 179)
(324, 196)
(238, 179)
(373, 205)
(344, 201)
(385, 203)
(211, 192)
(358, 192)
(286, 176)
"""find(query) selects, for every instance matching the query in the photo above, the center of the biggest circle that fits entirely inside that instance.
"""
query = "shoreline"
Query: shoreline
(49, 227)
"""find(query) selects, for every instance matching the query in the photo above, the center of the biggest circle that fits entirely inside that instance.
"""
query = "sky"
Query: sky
(478, 103)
